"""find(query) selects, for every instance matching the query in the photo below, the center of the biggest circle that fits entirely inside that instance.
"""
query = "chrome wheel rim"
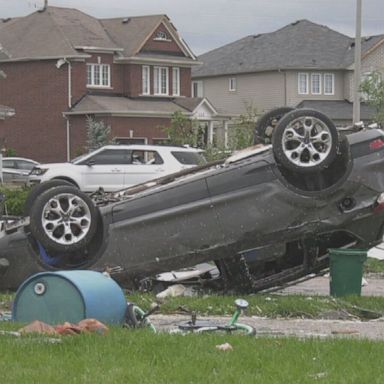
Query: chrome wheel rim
(307, 141)
(66, 219)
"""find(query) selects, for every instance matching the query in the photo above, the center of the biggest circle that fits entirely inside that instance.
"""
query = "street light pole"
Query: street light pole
(357, 66)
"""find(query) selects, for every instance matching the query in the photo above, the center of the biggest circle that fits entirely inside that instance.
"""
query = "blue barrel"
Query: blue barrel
(56, 297)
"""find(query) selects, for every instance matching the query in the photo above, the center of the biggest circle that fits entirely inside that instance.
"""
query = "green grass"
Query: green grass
(374, 266)
(269, 305)
(125, 356)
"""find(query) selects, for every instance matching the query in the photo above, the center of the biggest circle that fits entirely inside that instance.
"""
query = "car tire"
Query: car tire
(305, 140)
(63, 219)
(38, 189)
(266, 124)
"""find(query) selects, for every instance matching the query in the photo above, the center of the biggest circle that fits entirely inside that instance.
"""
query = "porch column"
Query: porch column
(210, 132)
(225, 133)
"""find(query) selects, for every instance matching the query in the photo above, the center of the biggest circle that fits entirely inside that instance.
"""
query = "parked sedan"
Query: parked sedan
(17, 169)
(115, 167)
(265, 215)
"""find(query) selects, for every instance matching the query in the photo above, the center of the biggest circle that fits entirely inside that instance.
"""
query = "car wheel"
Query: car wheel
(63, 219)
(305, 140)
(267, 123)
(38, 189)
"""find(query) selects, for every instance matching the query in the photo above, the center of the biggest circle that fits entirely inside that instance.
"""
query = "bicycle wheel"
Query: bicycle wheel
(207, 326)
(135, 318)
(244, 329)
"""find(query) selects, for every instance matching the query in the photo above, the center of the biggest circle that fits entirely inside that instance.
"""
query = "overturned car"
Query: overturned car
(265, 215)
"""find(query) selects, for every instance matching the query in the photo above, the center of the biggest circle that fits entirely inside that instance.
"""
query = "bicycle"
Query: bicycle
(232, 327)
(135, 317)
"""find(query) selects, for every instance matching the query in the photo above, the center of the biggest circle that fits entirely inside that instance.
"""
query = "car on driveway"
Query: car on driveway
(17, 169)
(265, 215)
(115, 167)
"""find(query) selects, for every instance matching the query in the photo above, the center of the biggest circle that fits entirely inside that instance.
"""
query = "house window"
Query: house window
(197, 88)
(303, 83)
(329, 84)
(145, 80)
(98, 75)
(161, 141)
(232, 84)
(176, 81)
(130, 140)
(316, 84)
(160, 81)
(161, 35)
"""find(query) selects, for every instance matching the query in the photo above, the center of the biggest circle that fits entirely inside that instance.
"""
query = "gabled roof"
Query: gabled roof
(51, 34)
(137, 28)
(300, 45)
(66, 32)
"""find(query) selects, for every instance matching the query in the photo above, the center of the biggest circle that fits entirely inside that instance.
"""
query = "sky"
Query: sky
(209, 24)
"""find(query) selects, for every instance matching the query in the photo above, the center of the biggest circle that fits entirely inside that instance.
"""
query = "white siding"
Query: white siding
(261, 90)
(348, 85)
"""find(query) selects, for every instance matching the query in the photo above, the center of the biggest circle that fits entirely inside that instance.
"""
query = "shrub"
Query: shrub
(15, 200)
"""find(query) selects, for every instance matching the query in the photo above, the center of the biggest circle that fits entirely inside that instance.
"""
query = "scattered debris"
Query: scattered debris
(174, 291)
(345, 332)
(320, 375)
(84, 326)
(5, 316)
(38, 327)
(224, 347)
(190, 275)
(10, 333)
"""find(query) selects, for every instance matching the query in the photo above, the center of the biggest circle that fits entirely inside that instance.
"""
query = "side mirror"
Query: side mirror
(90, 163)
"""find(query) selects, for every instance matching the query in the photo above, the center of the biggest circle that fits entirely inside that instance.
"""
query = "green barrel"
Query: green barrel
(346, 270)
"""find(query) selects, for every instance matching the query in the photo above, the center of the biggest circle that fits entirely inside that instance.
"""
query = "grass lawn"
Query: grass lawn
(126, 356)
(131, 356)
(270, 305)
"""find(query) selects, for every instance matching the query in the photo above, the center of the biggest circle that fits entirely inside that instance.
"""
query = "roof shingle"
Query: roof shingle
(300, 45)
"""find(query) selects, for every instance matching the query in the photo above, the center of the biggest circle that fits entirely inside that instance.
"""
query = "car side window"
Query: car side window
(109, 156)
(189, 158)
(9, 163)
(25, 164)
(146, 157)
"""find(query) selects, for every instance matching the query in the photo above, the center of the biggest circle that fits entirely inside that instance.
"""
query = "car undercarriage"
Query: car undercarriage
(264, 216)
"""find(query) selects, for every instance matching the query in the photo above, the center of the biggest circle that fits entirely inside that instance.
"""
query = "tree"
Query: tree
(373, 90)
(243, 130)
(181, 131)
(98, 134)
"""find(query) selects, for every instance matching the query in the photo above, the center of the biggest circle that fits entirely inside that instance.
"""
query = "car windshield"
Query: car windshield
(78, 158)
(189, 158)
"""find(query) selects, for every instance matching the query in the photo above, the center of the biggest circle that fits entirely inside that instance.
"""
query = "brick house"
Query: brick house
(303, 64)
(63, 65)
(4, 110)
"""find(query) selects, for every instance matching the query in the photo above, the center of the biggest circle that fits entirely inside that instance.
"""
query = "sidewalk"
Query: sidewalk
(302, 328)
(320, 286)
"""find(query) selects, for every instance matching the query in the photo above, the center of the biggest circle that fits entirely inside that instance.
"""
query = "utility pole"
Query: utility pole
(357, 65)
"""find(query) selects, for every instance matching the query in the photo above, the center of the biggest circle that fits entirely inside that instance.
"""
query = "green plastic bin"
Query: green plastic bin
(346, 271)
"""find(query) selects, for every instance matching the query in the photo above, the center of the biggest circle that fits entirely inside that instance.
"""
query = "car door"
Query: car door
(105, 169)
(144, 165)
